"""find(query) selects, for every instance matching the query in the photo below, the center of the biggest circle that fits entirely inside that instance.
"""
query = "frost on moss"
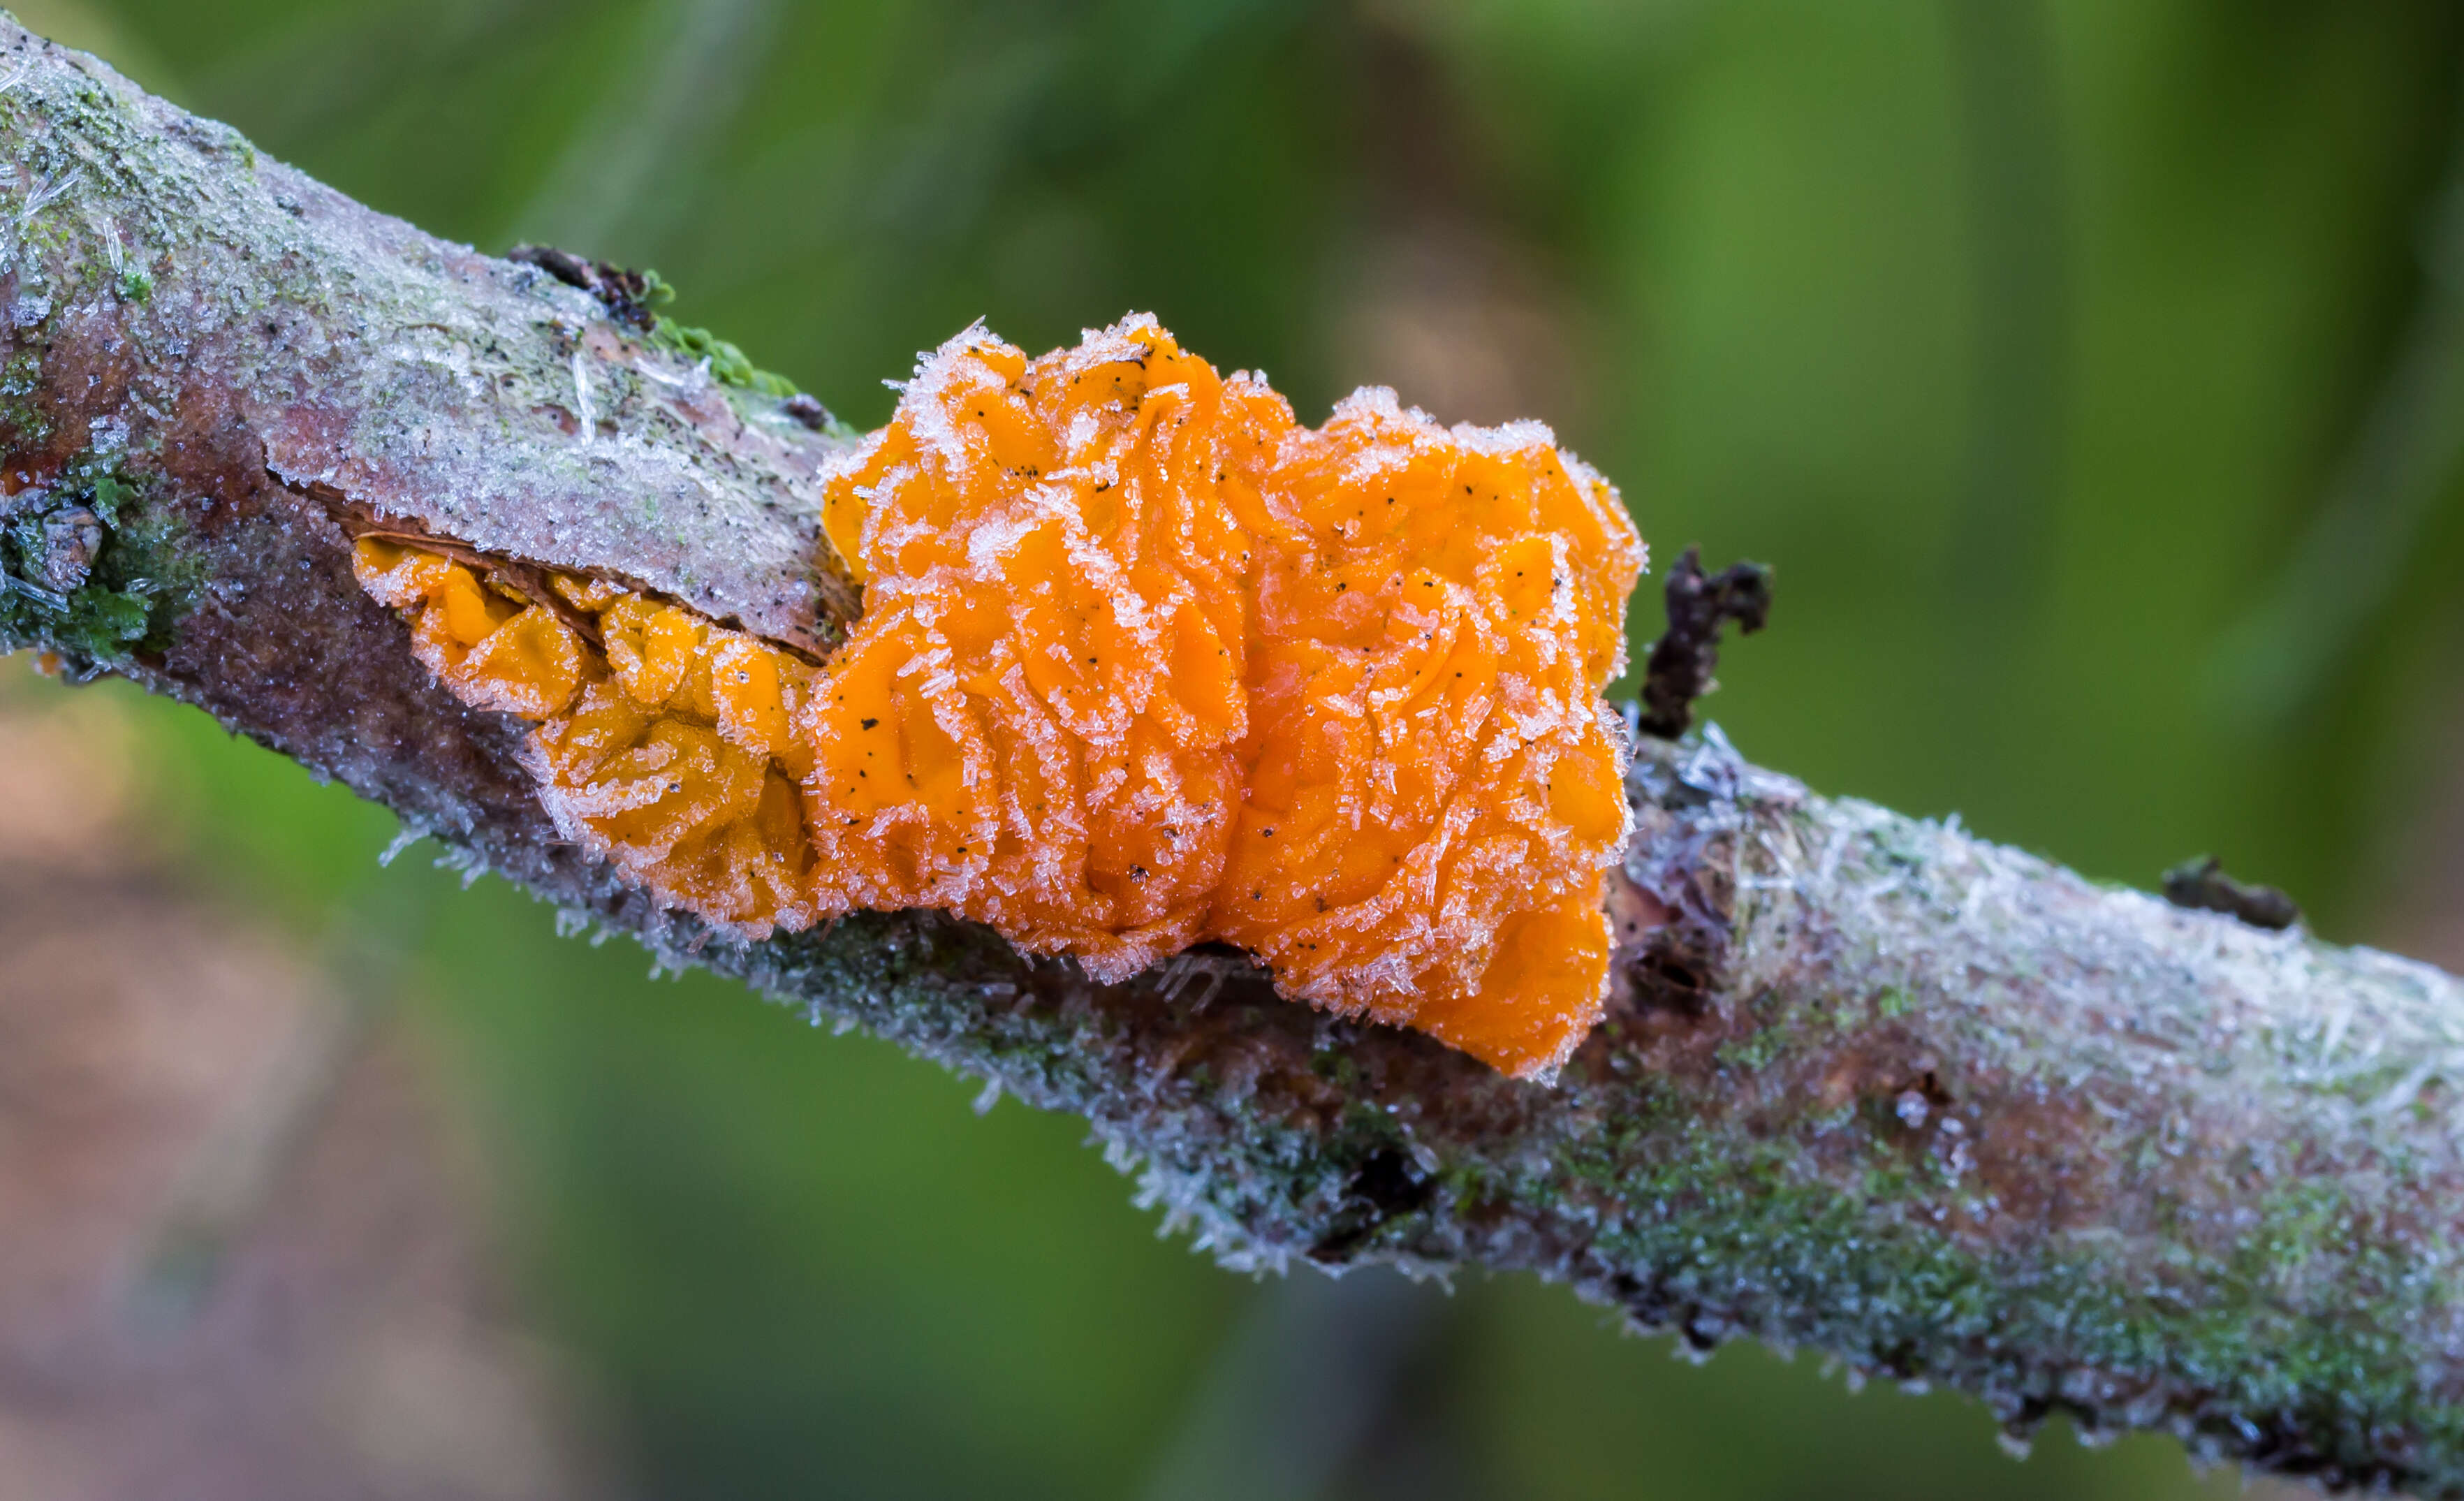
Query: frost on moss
(728, 364)
(634, 298)
(73, 564)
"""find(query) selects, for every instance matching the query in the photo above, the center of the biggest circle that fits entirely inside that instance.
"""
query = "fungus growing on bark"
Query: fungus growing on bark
(1142, 663)
(668, 750)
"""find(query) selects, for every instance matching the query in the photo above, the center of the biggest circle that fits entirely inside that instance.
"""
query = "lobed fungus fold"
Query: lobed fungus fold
(668, 749)
(1143, 663)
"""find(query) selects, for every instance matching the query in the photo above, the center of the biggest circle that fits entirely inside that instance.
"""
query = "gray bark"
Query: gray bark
(1868, 1084)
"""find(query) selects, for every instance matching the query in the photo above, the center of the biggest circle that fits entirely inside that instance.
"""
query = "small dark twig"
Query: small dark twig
(2202, 884)
(629, 295)
(1698, 607)
(809, 411)
(563, 265)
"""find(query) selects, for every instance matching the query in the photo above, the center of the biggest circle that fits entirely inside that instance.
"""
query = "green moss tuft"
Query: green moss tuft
(727, 365)
(85, 568)
(24, 425)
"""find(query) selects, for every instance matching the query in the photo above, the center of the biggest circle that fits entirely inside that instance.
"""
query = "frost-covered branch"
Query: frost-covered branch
(1867, 1085)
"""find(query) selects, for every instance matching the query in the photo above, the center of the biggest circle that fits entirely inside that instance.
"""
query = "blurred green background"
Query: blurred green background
(2093, 375)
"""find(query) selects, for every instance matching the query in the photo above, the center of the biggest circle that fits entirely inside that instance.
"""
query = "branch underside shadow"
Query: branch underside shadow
(1867, 1084)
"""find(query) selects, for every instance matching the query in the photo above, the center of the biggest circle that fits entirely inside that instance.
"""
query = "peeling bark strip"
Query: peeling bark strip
(1867, 1085)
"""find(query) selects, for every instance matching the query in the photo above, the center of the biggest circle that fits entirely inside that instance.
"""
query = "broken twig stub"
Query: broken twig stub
(2202, 884)
(1698, 608)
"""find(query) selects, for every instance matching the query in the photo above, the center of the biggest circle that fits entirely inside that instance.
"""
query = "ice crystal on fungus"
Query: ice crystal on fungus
(1142, 663)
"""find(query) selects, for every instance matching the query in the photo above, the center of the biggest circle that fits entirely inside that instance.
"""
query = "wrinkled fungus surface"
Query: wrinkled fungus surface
(1143, 663)
(669, 749)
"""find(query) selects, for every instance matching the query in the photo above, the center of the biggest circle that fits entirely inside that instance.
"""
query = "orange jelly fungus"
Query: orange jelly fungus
(669, 752)
(1142, 663)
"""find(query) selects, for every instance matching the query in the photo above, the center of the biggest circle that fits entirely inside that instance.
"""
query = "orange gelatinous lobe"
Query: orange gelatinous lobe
(1145, 662)
(668, 752)
(1142, 663)
(494, 649)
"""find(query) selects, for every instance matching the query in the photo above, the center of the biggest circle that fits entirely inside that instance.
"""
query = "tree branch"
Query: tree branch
(1867, 1084)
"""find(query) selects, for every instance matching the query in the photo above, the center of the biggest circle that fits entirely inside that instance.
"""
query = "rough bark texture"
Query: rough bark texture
(1868, 1084)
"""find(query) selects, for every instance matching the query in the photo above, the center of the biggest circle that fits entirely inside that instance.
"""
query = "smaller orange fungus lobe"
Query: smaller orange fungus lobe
(495, 649)
(668, 752)
(1143, 663)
